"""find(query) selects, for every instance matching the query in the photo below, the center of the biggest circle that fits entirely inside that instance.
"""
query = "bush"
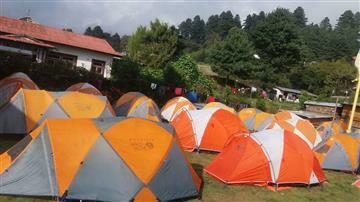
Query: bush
(260, 104)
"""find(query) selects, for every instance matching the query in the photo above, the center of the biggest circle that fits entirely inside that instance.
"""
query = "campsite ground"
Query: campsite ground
(338, 187)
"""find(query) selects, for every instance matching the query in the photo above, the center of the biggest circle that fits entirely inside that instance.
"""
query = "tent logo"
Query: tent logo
(143, 144)
(82, 106)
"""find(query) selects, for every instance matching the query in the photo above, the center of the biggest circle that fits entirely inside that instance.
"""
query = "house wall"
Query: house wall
(346, 114)
(85, 57)
(323, 109)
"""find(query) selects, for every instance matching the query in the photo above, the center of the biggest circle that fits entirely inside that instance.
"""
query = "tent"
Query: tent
(328, 128)
(27, 109)
(357, 183)
(340, 152)
(254, 119)
(219, 105)
(269, 157)
(136, 104)
(85, 88)
(301, 127)
(11, 84)
(175, 106)
(207, 129)
(105, 159)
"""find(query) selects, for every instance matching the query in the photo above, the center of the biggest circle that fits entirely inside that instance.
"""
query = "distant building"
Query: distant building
(43, 43)
(347, 107)
(324, 107)
(288, 94)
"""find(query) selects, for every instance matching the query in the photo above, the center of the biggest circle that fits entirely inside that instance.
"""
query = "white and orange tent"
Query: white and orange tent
(175, 106)
(207, 129)
(300, 127)
(269, 157)
(219, 105)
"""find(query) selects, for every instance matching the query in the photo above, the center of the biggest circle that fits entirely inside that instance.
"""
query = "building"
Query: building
(288, 94)
(328, 108)
(44, 43)
(347, 107)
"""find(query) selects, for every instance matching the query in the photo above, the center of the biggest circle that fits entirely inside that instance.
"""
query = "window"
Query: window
(56, 57)
(98, 66)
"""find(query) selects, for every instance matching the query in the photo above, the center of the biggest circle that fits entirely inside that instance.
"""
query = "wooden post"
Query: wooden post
(357, 65)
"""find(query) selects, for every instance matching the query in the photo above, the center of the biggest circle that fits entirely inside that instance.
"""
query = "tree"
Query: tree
(277, 40)
(234, 55)
(154, 46)
(325, 76)
(300, 19)
(198, 30)
(221, 24)
(185, 28)
(325, 24)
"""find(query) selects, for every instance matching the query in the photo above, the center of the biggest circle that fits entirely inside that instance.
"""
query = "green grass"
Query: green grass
(338, 187)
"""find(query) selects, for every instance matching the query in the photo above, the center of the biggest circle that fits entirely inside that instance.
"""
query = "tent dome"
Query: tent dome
(29, 108)
(219, 105)
(85, 88)
(255, 119)
(340, 152)
(268, 157)
(175, 106)
(301, 127)
(136, 104)
(110, 159)
(207, 129)
(11, 84)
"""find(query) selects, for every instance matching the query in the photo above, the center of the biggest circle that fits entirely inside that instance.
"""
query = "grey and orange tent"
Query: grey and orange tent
(340, 152)
(207, 129)
(269, 157)
(110, 159)
(11, 84)
(27, 109)
(85, 88)
(329, 128)
(255, 119)
(175, 106)
(136, 104)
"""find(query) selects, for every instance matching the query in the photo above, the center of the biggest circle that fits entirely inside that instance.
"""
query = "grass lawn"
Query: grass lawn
(338, 187)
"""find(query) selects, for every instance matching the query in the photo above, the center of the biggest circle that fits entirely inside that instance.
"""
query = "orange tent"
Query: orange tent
(85, 88)
(136, 104)
(106, 159)
(27, 109)
(329, 128)
(219, 105)
(269, 157)
(254, 119)
(175, 106)
(207, 129)
(11, 84)
(357, 183)
(300, 127)
(339, 152)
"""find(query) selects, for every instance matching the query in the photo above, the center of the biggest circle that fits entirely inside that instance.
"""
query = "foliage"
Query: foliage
(326, 76)
(260, 104)
(184, 72)
(50, 76)
(154, 46)
(303, 98)
(114, 40)
(277, 40)
(234, 55)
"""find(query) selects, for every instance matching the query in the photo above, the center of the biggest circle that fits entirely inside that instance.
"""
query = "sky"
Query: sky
(124, 16)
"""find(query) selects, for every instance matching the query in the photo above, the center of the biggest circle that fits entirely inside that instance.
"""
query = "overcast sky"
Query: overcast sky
(124, 16)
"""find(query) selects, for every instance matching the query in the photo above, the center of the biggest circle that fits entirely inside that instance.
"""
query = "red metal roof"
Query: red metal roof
(24, 39)
(54, 35)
